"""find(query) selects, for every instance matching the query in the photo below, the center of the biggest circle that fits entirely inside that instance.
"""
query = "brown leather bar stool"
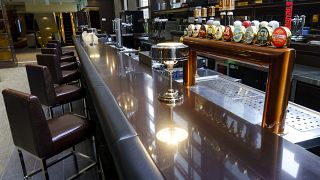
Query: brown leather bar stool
(64, 58)
(59, 76)
(63, 53)
(41, 85)
(43, 138)
(66, 63)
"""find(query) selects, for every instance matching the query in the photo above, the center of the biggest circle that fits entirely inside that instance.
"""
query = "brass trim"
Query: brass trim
(190, 69)
(280, 62)
(73, 23)
(63, 35)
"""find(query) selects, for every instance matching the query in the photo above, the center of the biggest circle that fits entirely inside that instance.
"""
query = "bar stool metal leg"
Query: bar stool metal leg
(23, 165)
(75, 159)
(79, 82)
(62, 109)
(94, 148)
(86, 114)
(51, 112)
(70, 107)
(95, 155)
(45, 169)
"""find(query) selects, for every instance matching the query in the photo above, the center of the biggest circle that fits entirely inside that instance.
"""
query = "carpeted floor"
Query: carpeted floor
(14, 78)
(28, 55)
(25, 55)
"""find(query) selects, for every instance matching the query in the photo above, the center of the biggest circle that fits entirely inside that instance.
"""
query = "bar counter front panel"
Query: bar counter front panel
(219, 145)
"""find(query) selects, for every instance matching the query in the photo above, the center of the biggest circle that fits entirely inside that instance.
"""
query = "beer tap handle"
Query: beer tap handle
(303, 21)
(114, 25)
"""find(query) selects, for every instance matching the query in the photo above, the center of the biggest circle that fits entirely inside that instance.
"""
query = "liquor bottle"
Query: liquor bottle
(211, 12)
(229, 5)
(223, 19)
(197, 25)
(230, 18)
(196, 29)
(315, 21)
(190, 27)
(222, 9)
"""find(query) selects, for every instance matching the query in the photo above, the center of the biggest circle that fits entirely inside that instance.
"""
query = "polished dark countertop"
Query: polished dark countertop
(220, 145)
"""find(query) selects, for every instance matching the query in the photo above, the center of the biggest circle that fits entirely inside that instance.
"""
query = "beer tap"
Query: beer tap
(117, 28)
(302, 21)
(298, 23)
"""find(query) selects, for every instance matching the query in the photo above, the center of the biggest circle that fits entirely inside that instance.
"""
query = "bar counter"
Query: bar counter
(220, 145)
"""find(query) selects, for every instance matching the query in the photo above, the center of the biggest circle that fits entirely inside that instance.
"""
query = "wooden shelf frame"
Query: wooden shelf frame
(280, 62)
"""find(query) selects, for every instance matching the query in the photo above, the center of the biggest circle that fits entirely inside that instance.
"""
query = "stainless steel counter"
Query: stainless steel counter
(221, 144)
(302, 124)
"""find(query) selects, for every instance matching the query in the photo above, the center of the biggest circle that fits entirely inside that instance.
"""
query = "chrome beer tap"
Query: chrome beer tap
(117, 28)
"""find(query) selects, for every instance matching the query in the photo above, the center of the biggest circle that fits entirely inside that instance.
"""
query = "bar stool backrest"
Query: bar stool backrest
(41, 84)
(53, 64)
(27, 121)
(56, 45)
(50, 51)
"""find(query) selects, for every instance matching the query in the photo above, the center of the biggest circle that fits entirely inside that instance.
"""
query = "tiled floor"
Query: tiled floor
(10, 167)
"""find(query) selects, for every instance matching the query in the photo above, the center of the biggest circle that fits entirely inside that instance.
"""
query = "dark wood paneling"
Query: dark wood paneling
(308, 96)
(106, 9)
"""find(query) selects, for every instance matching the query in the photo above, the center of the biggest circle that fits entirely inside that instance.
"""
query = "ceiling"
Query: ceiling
(41, 1)
(46, 6)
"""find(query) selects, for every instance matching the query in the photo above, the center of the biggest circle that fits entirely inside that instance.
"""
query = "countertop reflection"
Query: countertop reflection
(217, 143)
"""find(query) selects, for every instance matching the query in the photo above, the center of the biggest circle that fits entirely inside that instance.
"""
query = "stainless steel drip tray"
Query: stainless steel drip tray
(124, 49)
(302, 124)
(204, 74)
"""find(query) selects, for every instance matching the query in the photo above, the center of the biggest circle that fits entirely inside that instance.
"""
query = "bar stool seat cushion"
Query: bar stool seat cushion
(68, 65)
(67, 130)
(68, 59)
(57, 44)
(65, 93)
(67, 53)
(69, 75)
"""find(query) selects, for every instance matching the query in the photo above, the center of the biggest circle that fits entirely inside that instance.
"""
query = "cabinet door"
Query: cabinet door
(251, 77)
(308, 95)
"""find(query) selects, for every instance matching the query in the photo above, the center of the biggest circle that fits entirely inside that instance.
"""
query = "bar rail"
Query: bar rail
(130, 157)
(280, 62)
